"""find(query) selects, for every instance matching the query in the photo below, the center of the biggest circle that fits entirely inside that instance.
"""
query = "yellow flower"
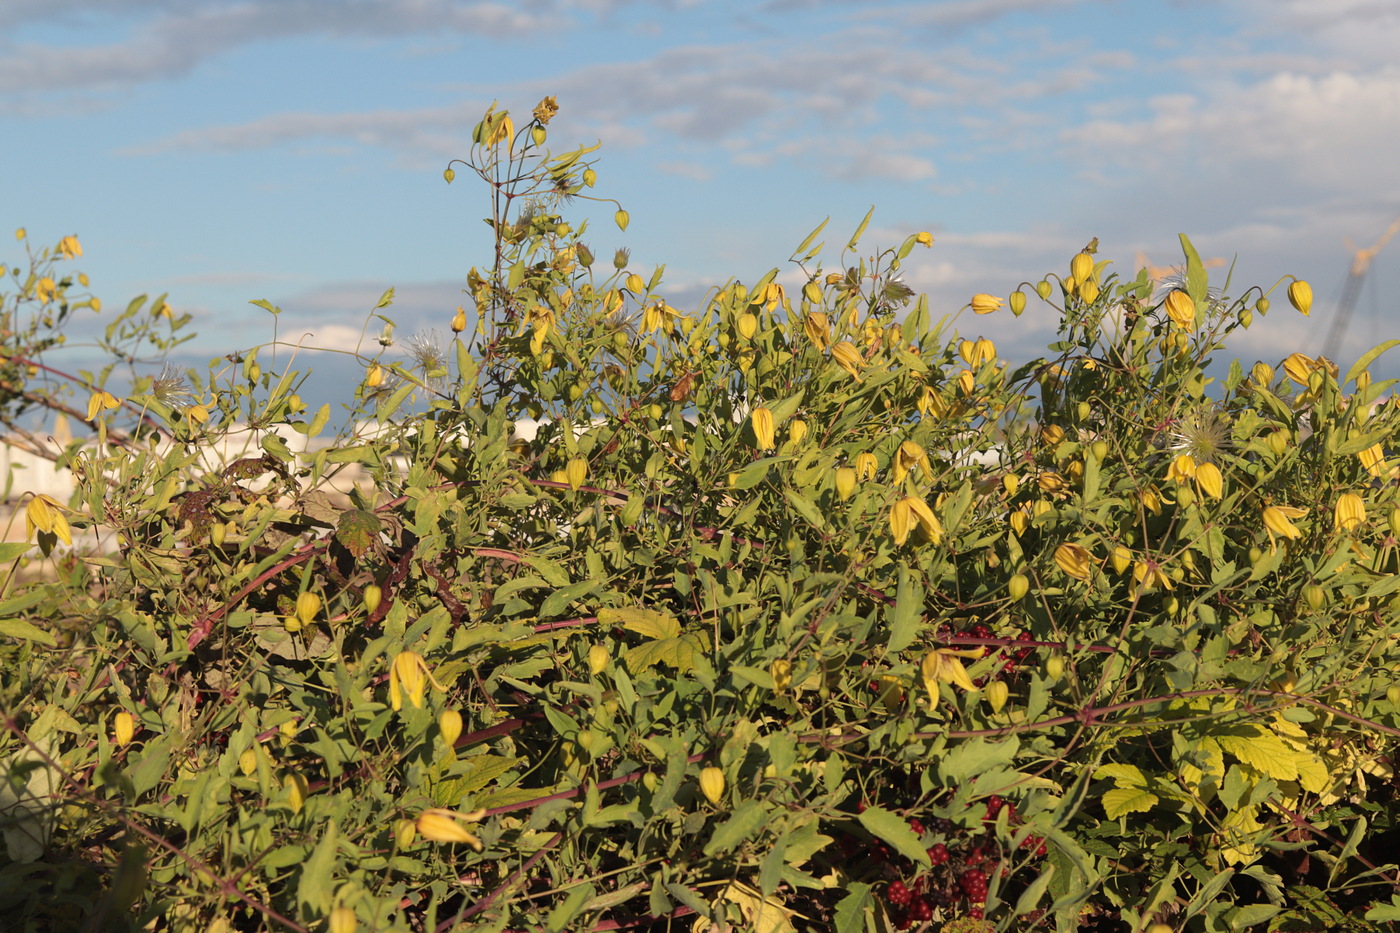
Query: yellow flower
(44, 290)
(924, 238)
(546, 109)
(977, 352)
(44, 514)
(501, 128)
(1300, 295)
(848, 358)
(1350, 511)
(1277, 522)
(866, 465)
(781, 672)
(343, 920)
(1151, 499)
(1020, 520)
(931, 403)
(818, 329)
(450, 726)
(575, 472)
(1073, 559)
(909, 455)
(459, 320)
(909, 511)
(1121, 558)
(762, 423)
(941, 666)
(1299, 367)
(982, 303)
(308, 607)
(70, 247)
(774, 295)
(1182, 469)
(1148, 575)
(1181, 309)
(409, 675)
(1081, 266)
(439, 825)
(1209, 480)
(100, 401)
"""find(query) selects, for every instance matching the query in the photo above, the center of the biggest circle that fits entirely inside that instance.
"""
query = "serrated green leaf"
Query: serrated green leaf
(894, 829)
(1121, 800)
(645, 622)
(742, 824)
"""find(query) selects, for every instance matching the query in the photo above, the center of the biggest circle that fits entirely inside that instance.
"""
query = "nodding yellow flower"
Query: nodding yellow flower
(942, 666)
(439, 825)
(912, 510)
(1299, 367)
(459, 320)
(101, 401)
(845, 483)
(343, 920)
(1261, 374)
(746, 325)
(44, 290)
(976, 352)
(967, 382)
(45, 514)
(1181, 309)
(1182, 469)
(774, 295)
(924, 238)
(712, 784)
(1073, 559)
(70, 247)
(1300, 295)
(308, 607)
(1373, 459)
(848, 358)
(1051, 482)
(1081, 266)
(761, 420)
(1151, 498)
(1277, 522)
(1350, 511)
(817, 326)
(409, 676)
(1148, 575)
(1209, 480)
(931, 403)
(908, 456)
(797, 430)
(982, 303)
(1121, 558)
(866, 466)
(1020, 520)
(502, 128)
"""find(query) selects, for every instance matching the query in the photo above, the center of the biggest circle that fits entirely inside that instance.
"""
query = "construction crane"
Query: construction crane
(1159, 273)
(1351, 291)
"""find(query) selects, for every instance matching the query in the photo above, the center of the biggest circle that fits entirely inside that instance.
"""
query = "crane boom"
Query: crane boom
(1351, 291)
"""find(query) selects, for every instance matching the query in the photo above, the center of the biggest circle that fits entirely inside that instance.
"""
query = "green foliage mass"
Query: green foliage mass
(798, 611)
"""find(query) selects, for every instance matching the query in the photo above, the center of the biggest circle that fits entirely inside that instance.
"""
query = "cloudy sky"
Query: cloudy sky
(292, 150)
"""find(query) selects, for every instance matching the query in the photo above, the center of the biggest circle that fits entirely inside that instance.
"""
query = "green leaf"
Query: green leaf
(315, 886)
(385, 299)
(28, 631)
(1259, 748)
(1196, 282)
(323, 416)
(812, 236)
(851, 909)
(680, 653)
(11, 550)
(741, 825)
(257, 302)
(1034, 891)
(561, 916)
(1367, 358)
(806, 508)
(894, 829)
(855, 237)
(904, 619)
(976, 757)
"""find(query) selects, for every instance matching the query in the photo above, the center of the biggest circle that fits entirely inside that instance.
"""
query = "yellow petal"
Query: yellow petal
(762, 423)
(1073, 559)
(1300, 295)
(438, 825)
(1209, 480)
(848, 358)
(1350, 512)
(866, 465)
(1181, 309)
(983, 303)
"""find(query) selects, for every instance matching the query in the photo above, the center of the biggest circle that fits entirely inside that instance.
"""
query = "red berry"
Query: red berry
(976, 913)
(921, 910)
(938, 854)
(916, 826)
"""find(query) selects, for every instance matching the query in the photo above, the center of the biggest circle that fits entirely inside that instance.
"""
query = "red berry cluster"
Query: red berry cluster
(962, 862)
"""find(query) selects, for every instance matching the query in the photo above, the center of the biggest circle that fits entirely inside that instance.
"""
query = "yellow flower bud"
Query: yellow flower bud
(982, 303)
(297, 787)
(343, 920)
(1054, 667)
(1018, 587)
(1313, 595)
(1373, 459)
(1300, 295)
(761, 420)
(781, 672)
(712, 784)
(746, 325)
(1017, 302)
(575, 472)
(845, 483)
(598, 659)
(635, 285)
(124, 728)
(1089, 291)
(622, 219)
(450, 726)
(371, 597)
(459, 320)
(997, 694)
(1350, 511)
(1261, 374)
(308, 605)
(924, 238)
(448, 175)
(1043, 289)
(1121, 558)
(1081, 266)
(248, 761)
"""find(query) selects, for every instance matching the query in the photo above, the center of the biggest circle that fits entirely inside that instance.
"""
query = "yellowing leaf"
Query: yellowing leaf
(1122, 774)
(1122, 800)
(645, 622)
(679, 653)
(1260, 749)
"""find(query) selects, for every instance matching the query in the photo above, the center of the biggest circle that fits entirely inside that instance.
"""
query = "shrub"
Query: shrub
(798, 610)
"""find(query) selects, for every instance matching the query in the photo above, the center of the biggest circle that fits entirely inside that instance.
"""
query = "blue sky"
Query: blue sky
(292, 150)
